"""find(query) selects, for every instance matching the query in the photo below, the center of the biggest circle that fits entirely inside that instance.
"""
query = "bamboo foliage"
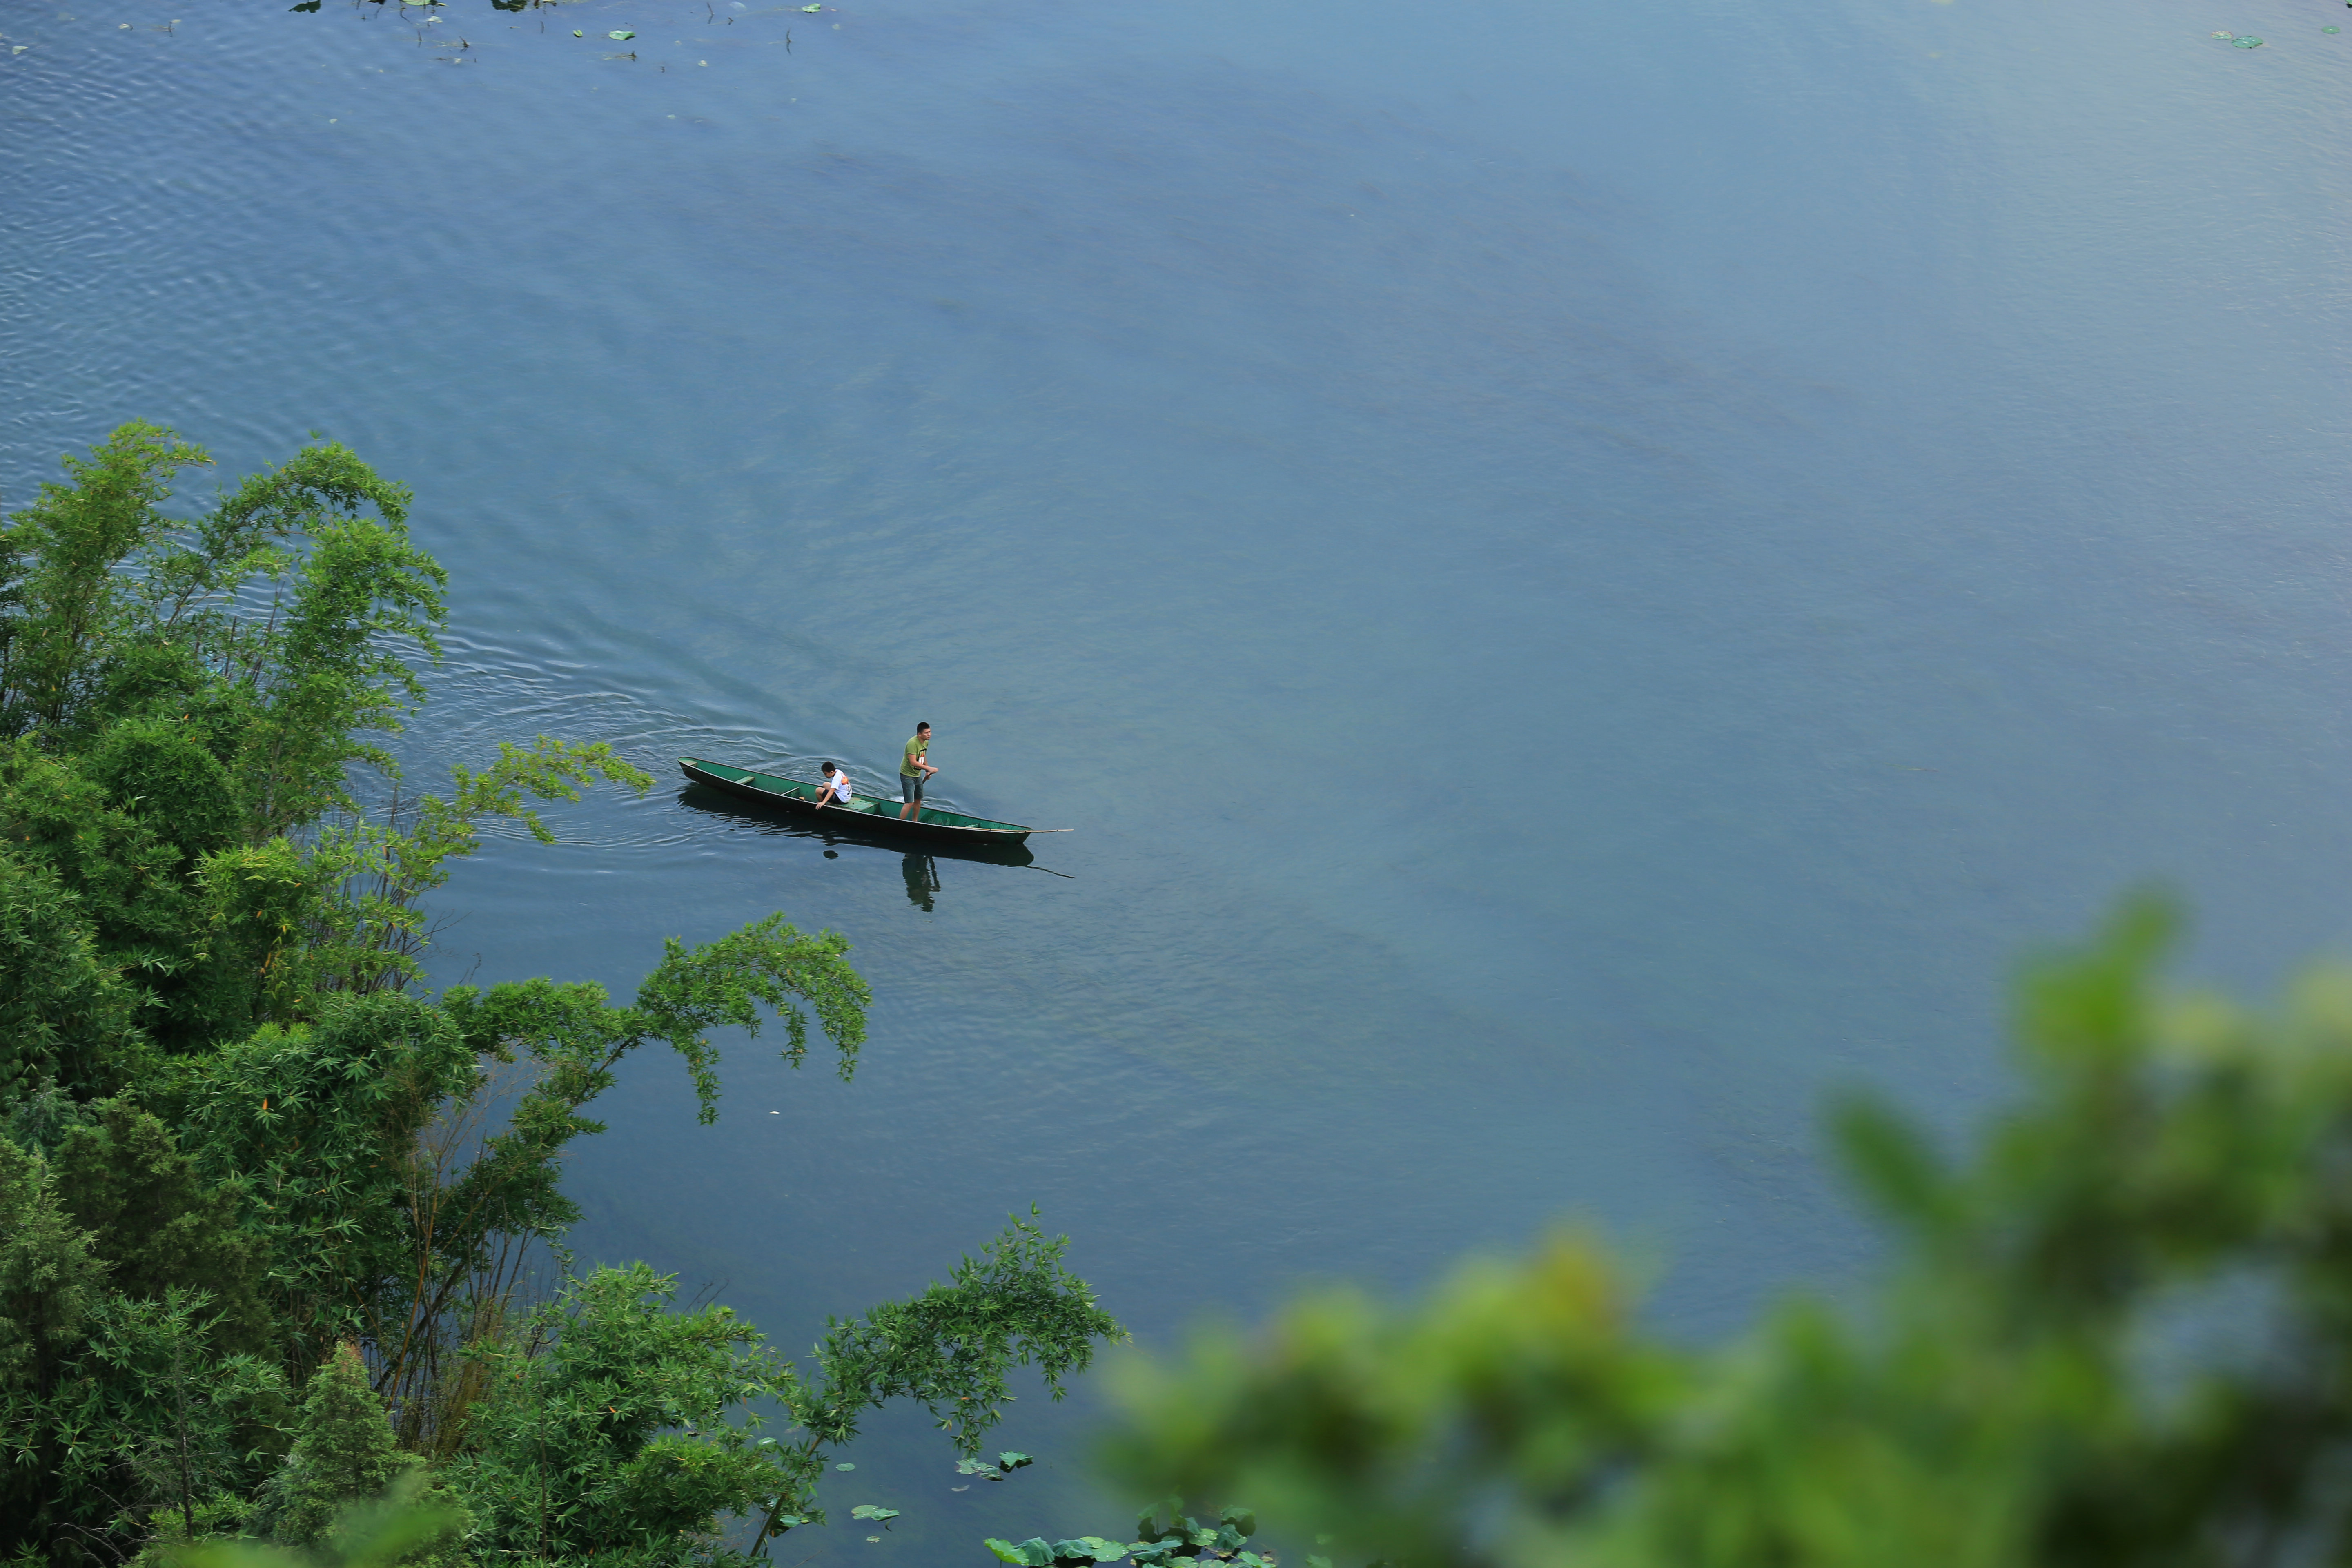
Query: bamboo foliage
(246, 1157)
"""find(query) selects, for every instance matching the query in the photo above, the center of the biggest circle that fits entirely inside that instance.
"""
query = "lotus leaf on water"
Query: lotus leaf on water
(623, 34)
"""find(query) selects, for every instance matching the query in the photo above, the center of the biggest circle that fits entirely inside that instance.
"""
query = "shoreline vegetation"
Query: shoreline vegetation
(280, 1234)
(281, 1268)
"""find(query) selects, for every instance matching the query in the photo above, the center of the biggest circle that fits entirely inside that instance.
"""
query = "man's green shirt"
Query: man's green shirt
(907, 766)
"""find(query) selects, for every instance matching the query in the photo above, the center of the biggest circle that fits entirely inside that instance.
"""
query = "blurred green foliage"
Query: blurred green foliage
(2117, 1332)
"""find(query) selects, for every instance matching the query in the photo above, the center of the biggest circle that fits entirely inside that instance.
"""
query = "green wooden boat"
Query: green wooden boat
(863, 813)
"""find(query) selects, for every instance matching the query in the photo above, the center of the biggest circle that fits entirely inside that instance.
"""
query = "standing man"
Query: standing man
(913, 768)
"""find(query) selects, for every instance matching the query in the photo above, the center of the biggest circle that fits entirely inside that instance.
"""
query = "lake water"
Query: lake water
(1584, 575)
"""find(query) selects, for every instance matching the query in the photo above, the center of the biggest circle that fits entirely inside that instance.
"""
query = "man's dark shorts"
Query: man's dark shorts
(910, 787)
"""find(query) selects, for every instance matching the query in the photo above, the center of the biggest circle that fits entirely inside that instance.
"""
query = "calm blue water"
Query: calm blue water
(1582, 574)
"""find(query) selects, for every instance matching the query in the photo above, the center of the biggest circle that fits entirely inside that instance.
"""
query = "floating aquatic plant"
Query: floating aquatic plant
(1182, 1542)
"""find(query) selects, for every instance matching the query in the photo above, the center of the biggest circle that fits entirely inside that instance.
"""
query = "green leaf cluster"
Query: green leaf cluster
(950, 1348)
(176, 694)
(2117, 1330)
(342, 1468)
(605, 1426)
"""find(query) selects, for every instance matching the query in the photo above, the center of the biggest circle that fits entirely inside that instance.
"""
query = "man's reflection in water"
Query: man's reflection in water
(922, 881)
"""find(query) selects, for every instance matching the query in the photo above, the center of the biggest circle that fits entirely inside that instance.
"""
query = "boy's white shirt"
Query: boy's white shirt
(837, 787)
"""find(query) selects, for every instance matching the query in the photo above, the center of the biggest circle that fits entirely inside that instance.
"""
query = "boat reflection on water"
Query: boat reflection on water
(922, 871)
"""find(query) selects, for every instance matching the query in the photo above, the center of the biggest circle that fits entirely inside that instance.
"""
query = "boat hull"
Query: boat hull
(862, 815)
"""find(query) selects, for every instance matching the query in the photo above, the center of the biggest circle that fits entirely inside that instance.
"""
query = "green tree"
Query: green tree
(240, 1133)
(110, 1404)
(170, 690)
(64, 1010)
(127, 907)
(947, 1349)
(47, 1271)
(2120, 1333)
(64, 603)
(393, 1211)
(615, 1427)
(50, 1281)
(280, 622)
(343, 1460)
(157, 1224)
(152, 1427)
